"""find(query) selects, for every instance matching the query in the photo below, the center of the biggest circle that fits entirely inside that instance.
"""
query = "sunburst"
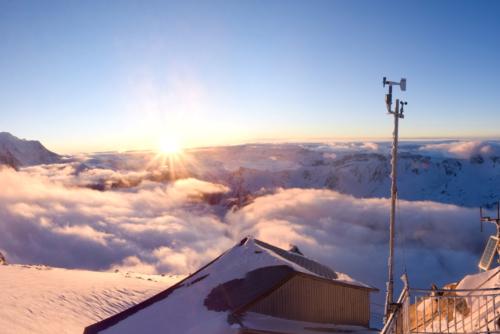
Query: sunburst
(169, 155)
(169, 146)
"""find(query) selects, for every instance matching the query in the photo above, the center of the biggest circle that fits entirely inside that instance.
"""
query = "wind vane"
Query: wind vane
(398, 113)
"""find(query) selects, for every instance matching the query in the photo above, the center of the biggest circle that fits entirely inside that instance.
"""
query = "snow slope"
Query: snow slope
(40, 299)
(17, 152)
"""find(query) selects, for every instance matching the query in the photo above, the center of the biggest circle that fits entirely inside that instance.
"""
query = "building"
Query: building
(252, 288)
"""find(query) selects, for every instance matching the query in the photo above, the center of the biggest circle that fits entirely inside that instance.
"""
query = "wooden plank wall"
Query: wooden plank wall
(315, 300)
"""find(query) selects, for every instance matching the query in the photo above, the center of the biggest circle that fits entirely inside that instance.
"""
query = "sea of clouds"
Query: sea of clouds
(51, 214)
(460, 149)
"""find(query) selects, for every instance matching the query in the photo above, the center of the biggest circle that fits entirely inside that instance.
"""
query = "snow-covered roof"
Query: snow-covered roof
(303, 264)
(489, 279)
(204, 301)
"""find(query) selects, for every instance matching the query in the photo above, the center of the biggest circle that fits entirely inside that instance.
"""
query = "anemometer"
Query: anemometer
(388, 97)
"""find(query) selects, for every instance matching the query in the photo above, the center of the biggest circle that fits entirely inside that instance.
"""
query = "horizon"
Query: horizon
(142, 140)
(79, 78)
(291, 141)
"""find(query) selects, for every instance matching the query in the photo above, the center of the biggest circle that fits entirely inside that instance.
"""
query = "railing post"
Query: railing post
(416, 314)
(432, 314)
(449, 314)
(455, 315)
(439, 311)
(494, 313)
(406, 315)
(425, 328)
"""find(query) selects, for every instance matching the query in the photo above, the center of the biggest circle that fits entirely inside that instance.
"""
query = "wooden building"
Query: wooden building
(272, 291)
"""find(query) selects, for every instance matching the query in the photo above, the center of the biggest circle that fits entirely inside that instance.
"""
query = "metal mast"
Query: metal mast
(397, 113)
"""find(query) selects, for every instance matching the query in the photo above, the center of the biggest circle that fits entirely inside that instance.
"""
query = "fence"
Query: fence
(420, 311)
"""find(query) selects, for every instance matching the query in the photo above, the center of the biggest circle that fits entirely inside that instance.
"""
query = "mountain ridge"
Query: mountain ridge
(16, 152)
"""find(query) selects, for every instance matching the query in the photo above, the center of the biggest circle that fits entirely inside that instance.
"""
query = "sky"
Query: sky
(120, 75)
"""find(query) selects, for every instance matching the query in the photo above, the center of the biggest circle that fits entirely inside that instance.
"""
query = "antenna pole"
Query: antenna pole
(498, 214)
(398, 113)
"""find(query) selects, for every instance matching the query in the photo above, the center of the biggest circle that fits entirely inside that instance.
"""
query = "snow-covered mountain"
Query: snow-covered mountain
(426, 171)
(461, 173)
(465, 182)
(17, 152)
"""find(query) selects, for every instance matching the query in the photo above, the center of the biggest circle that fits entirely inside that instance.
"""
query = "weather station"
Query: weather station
(398, 113)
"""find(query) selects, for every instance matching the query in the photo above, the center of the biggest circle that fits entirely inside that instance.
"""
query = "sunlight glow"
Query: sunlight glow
(168, 146)
(170, 157)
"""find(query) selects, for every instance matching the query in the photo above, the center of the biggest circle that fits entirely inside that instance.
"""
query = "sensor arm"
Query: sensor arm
(388, 96)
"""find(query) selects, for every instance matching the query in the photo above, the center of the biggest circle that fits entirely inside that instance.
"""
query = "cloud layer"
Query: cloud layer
(175, 228)
(350, 234)
(463, 149)
(50, 223)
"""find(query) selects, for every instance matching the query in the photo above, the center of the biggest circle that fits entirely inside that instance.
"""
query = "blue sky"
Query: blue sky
(105, 75)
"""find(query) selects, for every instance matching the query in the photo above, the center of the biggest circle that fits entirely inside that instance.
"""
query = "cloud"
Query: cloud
(339, 147)
(50, 223)
(329, 155)
(370, 146)
(84, 232)
(134, 264)
(103, 174)
(351, 234)
(435, 243)
(175, 227)
(463, 149)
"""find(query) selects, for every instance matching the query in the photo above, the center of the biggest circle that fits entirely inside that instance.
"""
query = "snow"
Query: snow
(20, 152)
(485, 280)
(40, 299)
(183, 311)
(481, 299)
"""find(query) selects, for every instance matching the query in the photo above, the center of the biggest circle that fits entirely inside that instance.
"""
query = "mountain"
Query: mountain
(17, 152)
(466, 182)
(250, 170)
(469, 179)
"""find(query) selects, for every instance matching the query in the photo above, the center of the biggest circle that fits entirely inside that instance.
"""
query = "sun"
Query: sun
(171, 157)
(169, 146)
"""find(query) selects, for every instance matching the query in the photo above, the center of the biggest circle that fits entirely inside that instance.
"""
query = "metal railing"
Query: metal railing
(420, 311)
